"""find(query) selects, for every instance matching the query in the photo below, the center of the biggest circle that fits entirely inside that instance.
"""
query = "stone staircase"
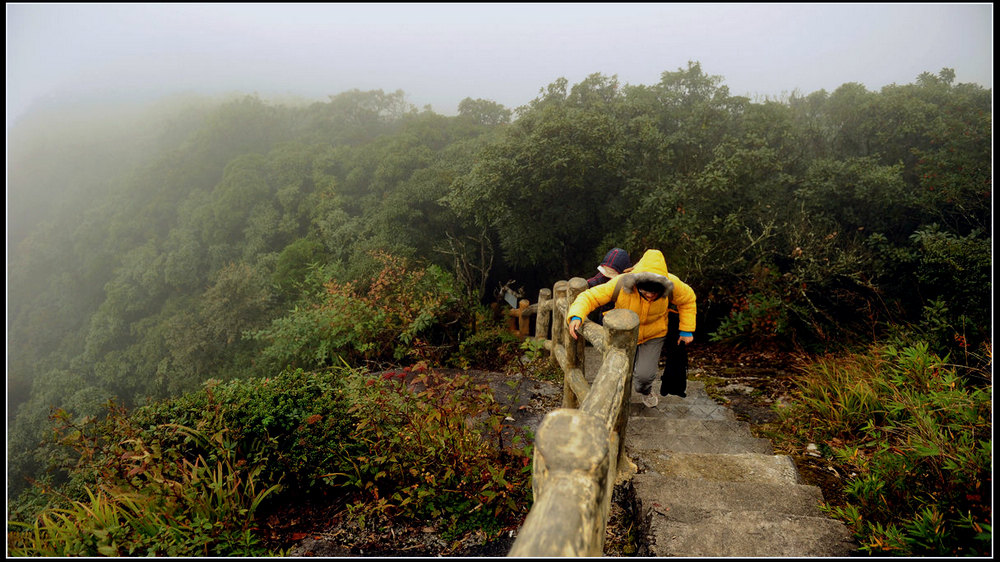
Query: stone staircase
(706, 487)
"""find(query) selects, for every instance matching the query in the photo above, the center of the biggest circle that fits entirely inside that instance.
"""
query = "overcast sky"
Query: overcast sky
(439, 54)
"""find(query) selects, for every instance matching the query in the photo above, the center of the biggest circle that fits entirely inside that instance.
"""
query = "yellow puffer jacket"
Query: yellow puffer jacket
(652, 315)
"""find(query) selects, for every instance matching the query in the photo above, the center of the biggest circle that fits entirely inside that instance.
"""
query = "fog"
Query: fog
(440, 54)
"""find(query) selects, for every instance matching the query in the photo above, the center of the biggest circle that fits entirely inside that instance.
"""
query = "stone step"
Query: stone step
(695, 392)
(693, 436)
(738, 467)
(749, 534)
(668, 408)
(697, 404)
(638, 445)
(688, 500)
(672, 400)
(672, 426)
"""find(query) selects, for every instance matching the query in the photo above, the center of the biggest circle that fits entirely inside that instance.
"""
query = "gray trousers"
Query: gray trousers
(647, 363)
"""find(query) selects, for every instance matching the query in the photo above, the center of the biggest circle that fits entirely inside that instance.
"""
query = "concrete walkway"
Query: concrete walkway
(704, 486)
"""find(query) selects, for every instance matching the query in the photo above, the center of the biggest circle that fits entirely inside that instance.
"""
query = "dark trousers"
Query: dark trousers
(674, 377)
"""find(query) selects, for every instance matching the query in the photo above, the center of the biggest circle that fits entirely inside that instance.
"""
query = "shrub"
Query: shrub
(221, 446)
(150, 498)
(917, 443)
(490, 349)
(436, 450)
(185, 477)
(385, 318)
(756, 318)
(957, 270)
(537, 362)
(943, 283)
(293, 425)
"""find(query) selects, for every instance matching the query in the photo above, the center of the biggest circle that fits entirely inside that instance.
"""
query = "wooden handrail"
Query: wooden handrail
(579, 447)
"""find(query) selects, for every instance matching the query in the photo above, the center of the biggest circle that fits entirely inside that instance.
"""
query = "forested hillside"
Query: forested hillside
(150, 252)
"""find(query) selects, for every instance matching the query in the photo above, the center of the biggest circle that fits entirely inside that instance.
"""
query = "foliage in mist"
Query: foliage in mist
(193, 244)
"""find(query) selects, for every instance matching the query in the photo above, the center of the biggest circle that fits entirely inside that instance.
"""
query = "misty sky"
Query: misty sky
(439, 54)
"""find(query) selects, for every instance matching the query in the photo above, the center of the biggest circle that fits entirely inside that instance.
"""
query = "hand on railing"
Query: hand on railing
(574, 324)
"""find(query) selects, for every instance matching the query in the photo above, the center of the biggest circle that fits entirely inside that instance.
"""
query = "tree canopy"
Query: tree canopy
(816, 221)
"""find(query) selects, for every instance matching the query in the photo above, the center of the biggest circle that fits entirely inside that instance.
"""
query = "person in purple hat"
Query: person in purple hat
(615, 262)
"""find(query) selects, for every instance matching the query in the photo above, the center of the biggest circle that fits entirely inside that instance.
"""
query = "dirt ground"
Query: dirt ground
(748, 382)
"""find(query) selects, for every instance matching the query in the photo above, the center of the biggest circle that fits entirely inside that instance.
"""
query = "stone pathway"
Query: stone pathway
(705, 486)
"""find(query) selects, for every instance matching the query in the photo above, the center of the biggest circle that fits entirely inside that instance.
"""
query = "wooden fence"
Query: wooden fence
(579, 447)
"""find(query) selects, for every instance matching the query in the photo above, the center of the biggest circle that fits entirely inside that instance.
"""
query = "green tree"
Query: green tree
(238, 301)
(557, 167)
(184, 262)
(294, 263)
(355, 117)
(848, 109)
(484, 112)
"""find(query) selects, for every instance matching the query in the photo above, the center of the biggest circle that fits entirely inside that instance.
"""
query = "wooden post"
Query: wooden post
(558, 321)
(559, 291)
(622, 328)
(523, 319)
(572, 479)
(575, 347)
(543, 318)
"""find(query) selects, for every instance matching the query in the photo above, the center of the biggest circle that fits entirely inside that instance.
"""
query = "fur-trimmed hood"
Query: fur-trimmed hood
(651, 267)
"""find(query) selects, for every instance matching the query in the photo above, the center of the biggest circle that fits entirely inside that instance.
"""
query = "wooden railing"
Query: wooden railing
(579, 447)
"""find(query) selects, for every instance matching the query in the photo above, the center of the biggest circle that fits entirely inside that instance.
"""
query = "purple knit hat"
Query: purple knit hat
(617, 259)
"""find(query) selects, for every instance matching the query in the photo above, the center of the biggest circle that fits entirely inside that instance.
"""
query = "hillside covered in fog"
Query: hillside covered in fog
(154, 249)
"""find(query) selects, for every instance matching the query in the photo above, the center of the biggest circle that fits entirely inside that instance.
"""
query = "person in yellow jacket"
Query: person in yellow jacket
(648, 289)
